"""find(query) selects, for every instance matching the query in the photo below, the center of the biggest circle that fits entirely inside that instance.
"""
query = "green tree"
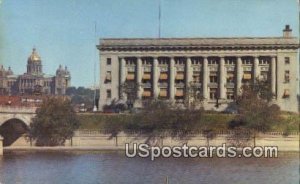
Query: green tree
(194, 98)
(130, 88)
(82, 95)
(160, 119)
(55, 122)
(257, 113)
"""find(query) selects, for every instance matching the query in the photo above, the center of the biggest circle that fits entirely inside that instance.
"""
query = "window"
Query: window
(130, 61)
(163, 61)
(108, 93)
(287, 60)
(179, 77)
(108, 77)
(196, 61)
(213, 93)
(264, 75)
(146, 76)
(230, 93)
(247, 77)
(264, 61)
(180, 61)
(230, 61)
(108, 61)
(286, 93)
(163, 76)
(196, 77)
(287, 76)
(146, 93)
(213, 61)
(130, 76)
(213, 77)
(147, 61)
(230, 77)
(179, 93)
(163, 93)
(247, 61)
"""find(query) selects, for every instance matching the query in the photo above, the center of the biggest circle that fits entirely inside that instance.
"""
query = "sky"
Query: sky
(63, 31)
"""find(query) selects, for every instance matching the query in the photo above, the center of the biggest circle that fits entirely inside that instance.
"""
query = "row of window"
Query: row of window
(197, 61)
(213, 93)
(196, 77)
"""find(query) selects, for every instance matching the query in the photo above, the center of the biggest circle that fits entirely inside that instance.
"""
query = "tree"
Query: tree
(159, 119)
(55, 122)
(257, 113)
(82, 95)
(194, 97)
(130, 88)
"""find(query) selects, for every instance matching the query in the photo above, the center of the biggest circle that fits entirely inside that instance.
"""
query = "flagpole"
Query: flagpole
(159, 18)
(95, 88)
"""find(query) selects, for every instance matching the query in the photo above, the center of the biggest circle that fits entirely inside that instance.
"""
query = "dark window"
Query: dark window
(213, 77)
(287, 60)
(230, 77)
(108, 77)
(108, 61)
(213, 93)
(287, 76)
(108, 93)
(230, 93)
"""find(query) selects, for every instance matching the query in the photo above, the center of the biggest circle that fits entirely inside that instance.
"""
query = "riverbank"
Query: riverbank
(93, 140)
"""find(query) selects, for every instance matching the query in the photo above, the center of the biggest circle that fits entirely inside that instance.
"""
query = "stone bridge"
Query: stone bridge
(24, 114)
(11, 114)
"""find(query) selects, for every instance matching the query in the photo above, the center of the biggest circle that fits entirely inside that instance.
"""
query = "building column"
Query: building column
(222, 78)
(273, 75)
(172, 79)
(238, 76)
(139, 77)
(205, 78)
(155, 77)
(122, 76)
(256, 69)
(187, 72)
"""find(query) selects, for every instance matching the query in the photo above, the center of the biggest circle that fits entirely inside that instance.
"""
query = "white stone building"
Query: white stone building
(165, 67)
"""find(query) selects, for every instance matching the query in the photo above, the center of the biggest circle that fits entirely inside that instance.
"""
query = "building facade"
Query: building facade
(34, 81)
(165, 68)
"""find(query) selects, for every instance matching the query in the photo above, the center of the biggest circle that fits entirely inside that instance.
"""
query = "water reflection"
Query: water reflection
(114, 167)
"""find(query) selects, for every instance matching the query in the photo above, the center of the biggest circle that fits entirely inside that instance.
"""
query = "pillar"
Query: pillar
(172, 79)
(139, 77)
(256, 69)
(238, 75)
(187, 72)
(205, 78)
(273, 75)
(122, 76)
(222, 78)
(155, 77)
(1, 145)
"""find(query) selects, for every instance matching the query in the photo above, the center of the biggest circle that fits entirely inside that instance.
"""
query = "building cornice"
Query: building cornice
(194, 44)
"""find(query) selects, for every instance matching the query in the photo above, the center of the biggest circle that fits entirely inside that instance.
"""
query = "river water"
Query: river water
(113, 167)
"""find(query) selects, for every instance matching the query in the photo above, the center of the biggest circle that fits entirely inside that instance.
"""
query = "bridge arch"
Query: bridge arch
(26, 119)
(14, 128)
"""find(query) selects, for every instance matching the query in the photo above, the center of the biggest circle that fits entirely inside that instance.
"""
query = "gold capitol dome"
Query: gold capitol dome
(34, 57)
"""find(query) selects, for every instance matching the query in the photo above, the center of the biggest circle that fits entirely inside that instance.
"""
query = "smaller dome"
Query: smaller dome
(34, 56)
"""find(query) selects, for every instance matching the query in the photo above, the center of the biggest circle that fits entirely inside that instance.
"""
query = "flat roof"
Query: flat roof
(112, 43)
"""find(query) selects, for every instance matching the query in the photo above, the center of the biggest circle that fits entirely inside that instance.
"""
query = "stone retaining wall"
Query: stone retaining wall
(284, 143)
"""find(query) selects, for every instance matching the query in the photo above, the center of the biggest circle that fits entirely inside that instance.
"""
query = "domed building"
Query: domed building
(34, 81)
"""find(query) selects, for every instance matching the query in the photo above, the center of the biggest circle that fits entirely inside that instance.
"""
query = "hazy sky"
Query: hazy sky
(63, 30)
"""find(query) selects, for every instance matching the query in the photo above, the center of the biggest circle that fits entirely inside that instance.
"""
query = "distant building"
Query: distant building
(34, 81)
(165, 68)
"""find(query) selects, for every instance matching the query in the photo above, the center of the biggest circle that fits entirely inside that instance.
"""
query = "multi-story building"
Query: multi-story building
(165, 67)
(34, 81)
